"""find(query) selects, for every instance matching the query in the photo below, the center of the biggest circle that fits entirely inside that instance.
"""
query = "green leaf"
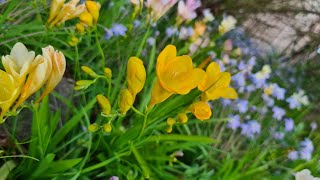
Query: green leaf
(6, 168)
(62, 165)
(144, 167)
(178, 137)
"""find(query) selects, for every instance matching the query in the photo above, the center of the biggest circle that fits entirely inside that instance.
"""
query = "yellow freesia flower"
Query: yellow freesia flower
(108, 73)
(126, 101)
(182, 118)
(136, 76)
(215, 84)
(61, 13)
(86, 18)
(104, 104)
(58, 68)
(93, 8)
(175, 74)
(9, 91)
(201, 110)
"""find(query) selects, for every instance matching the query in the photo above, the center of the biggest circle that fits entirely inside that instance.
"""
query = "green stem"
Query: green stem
(137, 111)
(143, 125)
(100, 49)
(77, 69)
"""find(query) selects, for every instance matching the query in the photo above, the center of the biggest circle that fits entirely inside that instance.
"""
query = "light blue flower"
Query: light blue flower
(136, 23)
(293, 155)
(151, 41)
(278, 135)
(250, 128)
(239, 79)
(234, 122)
(278, 92)
(108, 34)
(226, 102)
(241, 66)
(242, 105)
(268, 101)
(293, 103)
(278, 113)
(119, 30)
(171, 31)
(288, 124)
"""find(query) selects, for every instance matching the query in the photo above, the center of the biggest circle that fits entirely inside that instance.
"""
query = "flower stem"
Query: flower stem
(100, 49)
(137, 111)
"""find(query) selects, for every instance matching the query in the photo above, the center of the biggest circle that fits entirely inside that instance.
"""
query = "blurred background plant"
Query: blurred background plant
(271, 130)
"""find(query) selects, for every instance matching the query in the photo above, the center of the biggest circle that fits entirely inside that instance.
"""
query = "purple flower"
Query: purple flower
(288, 124)
(239, 80)
(242, 106)
(250, 129)
(234, 122)
(226, 102)
(114, 178)
(119, 30)
(151, 41)
(108, 34)
(136, 23)
(250, 88)
(293, 155)
(313, 126)
(278, 135)
(278, 113)
(278, 92)
(293, 103)
(171, 31)
(241, 66)
(269, 101)
(306, 149)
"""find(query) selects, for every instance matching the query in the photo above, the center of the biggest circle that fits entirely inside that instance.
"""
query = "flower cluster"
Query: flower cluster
(26, 73)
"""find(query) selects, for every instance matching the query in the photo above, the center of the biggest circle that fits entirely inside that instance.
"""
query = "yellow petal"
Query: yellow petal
(212, 75)
(168, 53)
(86, 18)
(93, 8)
(56, 6)
(229, 93)
(36, 79)
(201, 110)
(104, 104)
(136, 75)
(159, 94)
(126, 101)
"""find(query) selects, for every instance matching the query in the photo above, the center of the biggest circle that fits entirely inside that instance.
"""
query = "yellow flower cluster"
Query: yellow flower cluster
(176, 75)
(88, 13)
(25, 74)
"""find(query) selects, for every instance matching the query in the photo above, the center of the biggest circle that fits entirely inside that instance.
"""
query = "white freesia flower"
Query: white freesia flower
(264, 73)
(305, 174)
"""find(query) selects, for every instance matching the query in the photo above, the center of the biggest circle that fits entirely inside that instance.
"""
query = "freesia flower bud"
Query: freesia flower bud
(107, 128)
(104, 104)
(83, 84)
(89, 71)
(182, 118)
(169, 129)
(136, 75)
(86, 18)
(171, 121)
(79, 28)
(108, 73)
(93, 127)
(201, 110)
(93, 8)
(126, 101)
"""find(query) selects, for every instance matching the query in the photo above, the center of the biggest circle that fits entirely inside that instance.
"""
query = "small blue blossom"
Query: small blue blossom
(226, 102)
(278, 113)
(269, 101)
(293, 155)
(114, 178)
(306, 149)
(293, 103)
(136, 23)
(278, 92)
(239, 79)
(241, 66)
(288, 124)
(171, 31)
(250, 128)
(242, 105)
(108, 34)
(278, 135)
(313, 126)
(119, 30)
(250, 88)
(234, 122)
(151, 41)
